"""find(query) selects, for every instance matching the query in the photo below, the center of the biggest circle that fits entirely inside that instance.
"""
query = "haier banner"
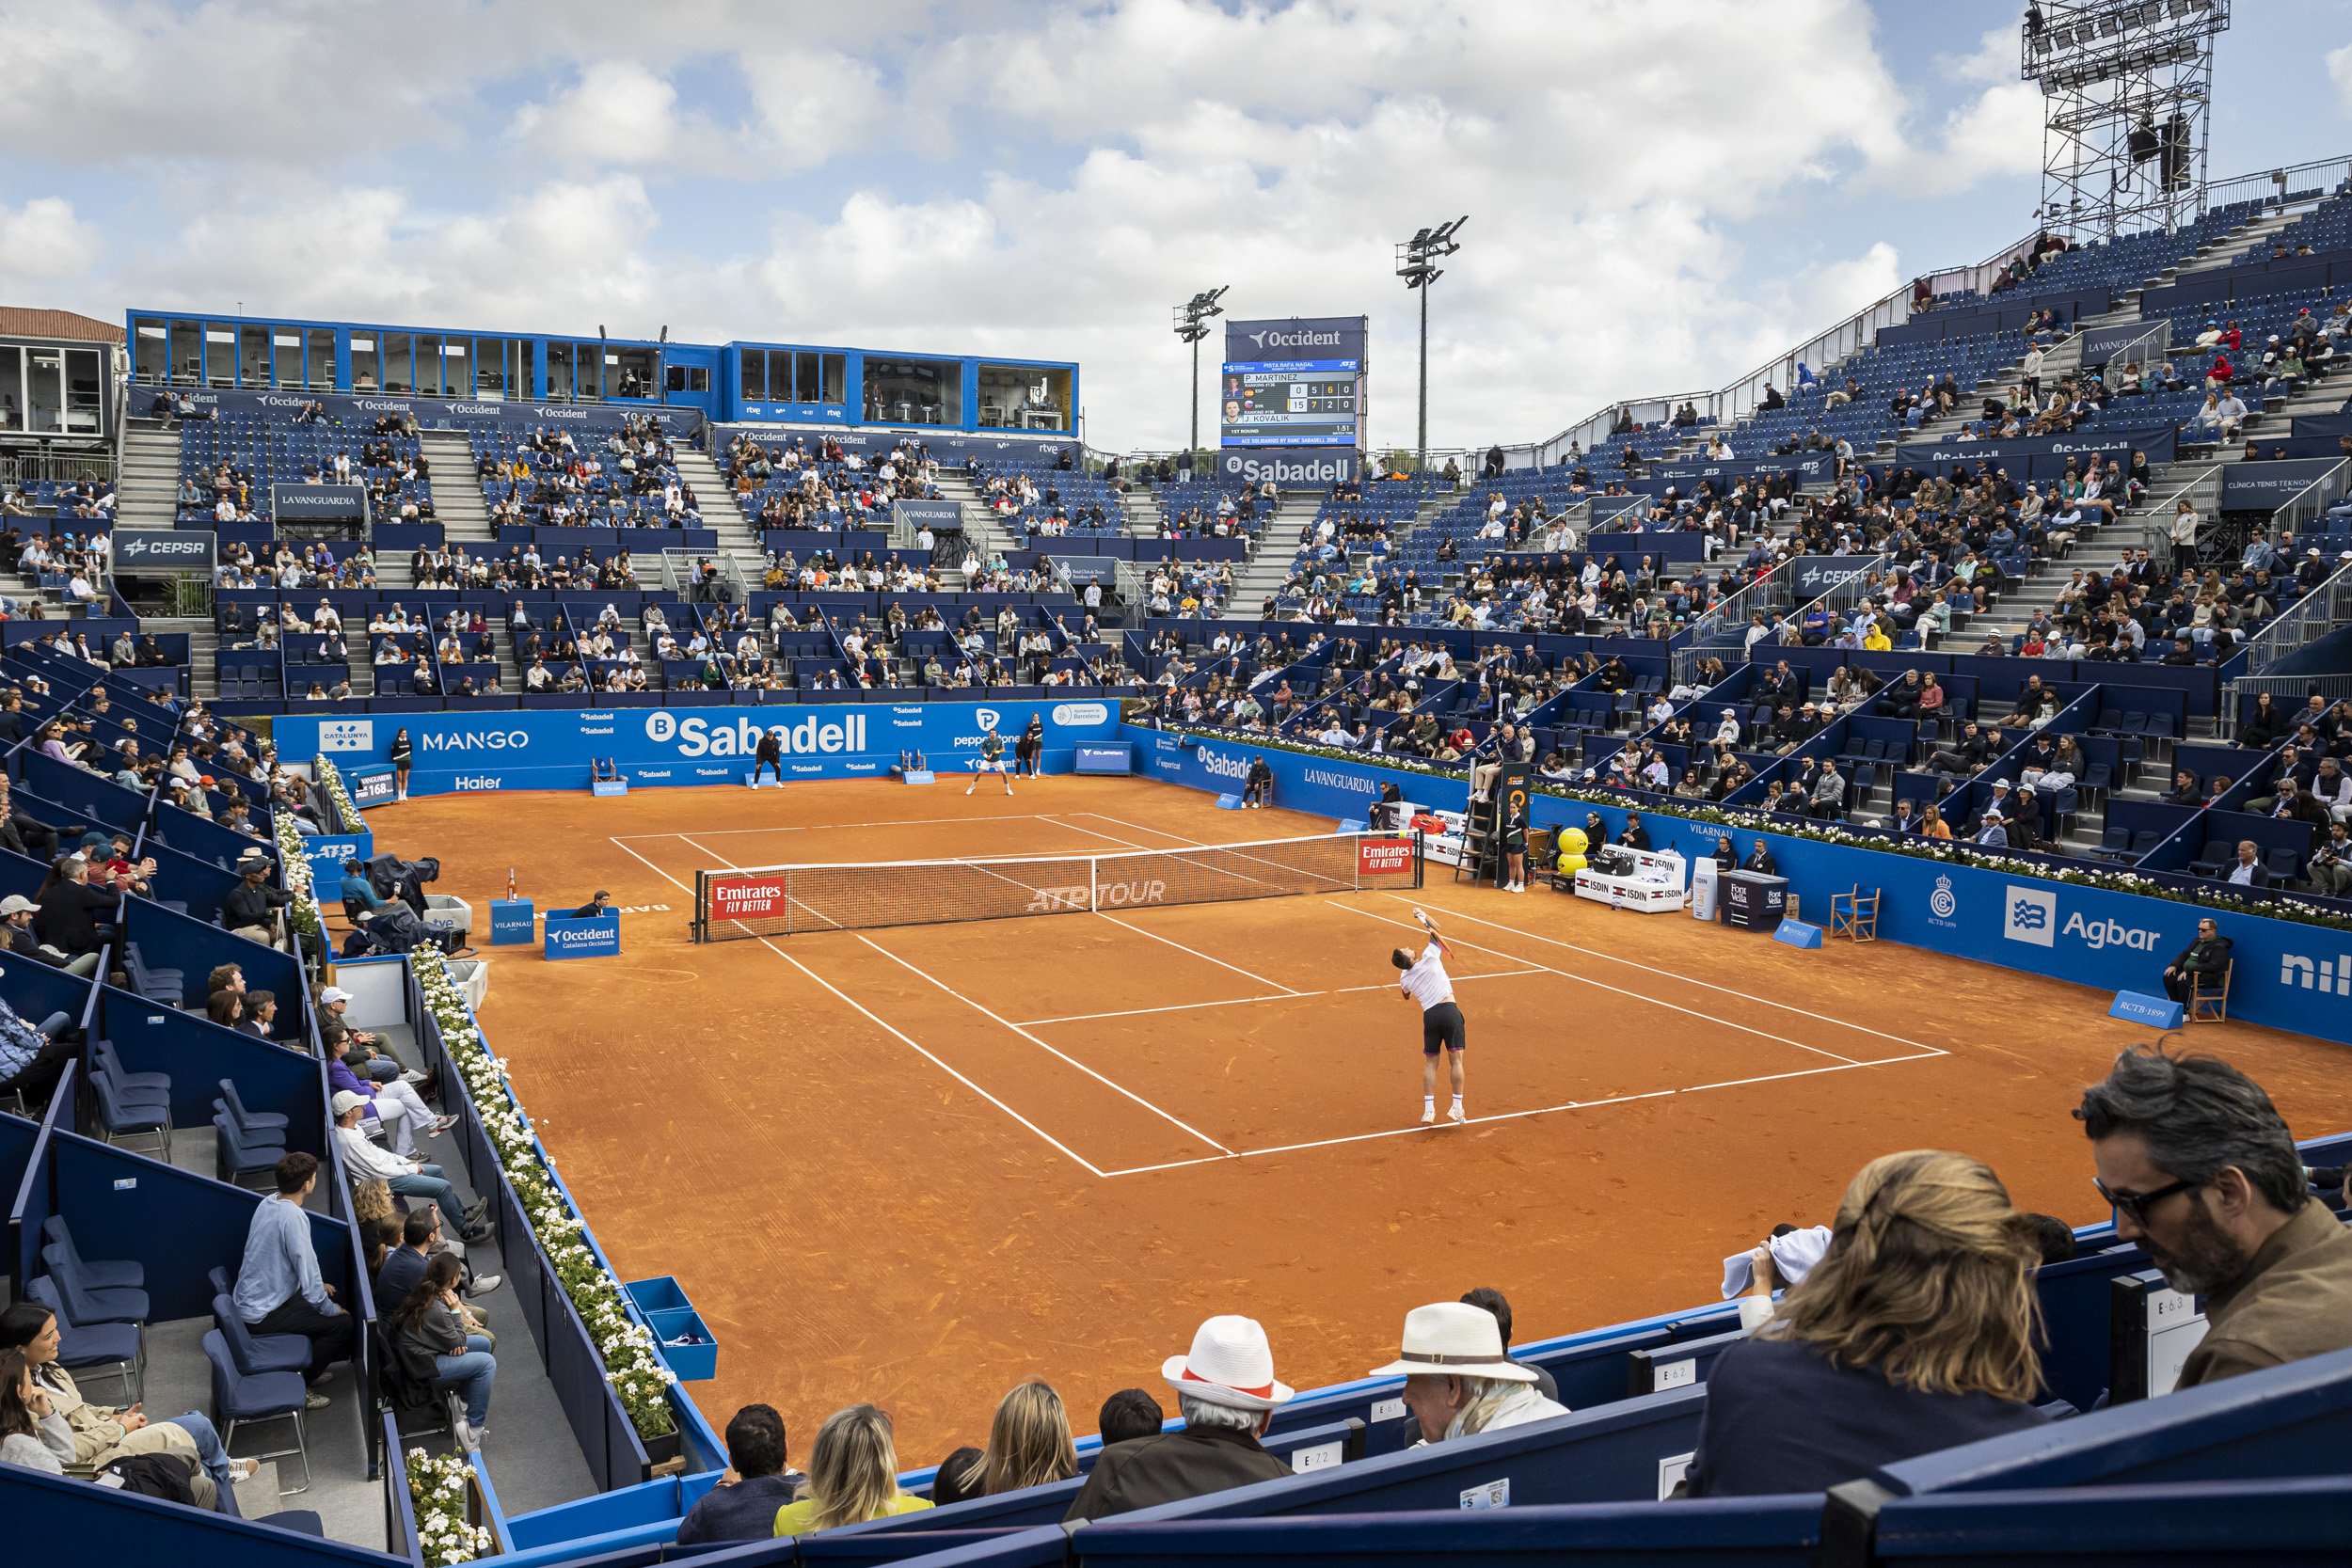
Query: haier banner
(1289, 467)
(474, 752)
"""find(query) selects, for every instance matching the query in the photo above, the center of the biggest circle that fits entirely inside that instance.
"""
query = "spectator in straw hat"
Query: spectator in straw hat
(1226, 1388)
(1458, 1381)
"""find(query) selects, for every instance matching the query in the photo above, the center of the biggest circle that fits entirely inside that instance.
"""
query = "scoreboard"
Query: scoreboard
(1293, 402)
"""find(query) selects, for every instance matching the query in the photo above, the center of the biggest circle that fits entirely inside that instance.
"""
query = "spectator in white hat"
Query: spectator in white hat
(16, 934)
(406, 1177)
(1458, 1380)
(1227, 1391)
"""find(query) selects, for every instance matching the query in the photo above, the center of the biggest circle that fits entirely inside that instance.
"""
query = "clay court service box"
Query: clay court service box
(1753, 901)
(512, 921)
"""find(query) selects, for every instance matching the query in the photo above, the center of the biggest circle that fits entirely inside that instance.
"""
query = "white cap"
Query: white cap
(333, 994)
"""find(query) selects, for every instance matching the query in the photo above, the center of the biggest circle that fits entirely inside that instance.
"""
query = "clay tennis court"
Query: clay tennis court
(916, 1164)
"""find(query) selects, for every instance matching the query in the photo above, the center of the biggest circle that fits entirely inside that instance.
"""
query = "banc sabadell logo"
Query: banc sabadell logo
(696, 736)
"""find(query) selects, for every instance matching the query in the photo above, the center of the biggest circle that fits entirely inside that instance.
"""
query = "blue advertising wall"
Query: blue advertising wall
(553, 748)
(2289, 976)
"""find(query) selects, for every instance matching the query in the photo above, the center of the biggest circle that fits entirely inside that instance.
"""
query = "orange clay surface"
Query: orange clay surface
(908, 1165)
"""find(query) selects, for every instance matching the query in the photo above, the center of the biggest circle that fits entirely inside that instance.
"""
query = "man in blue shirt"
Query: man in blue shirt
(279, 1289)
(742, 1506)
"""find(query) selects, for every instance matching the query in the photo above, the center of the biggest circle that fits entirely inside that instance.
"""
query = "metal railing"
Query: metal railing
(2281, 186)
(2312, 501)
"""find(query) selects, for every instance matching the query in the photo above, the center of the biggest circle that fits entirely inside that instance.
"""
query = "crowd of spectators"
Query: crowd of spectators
(1908, 1323)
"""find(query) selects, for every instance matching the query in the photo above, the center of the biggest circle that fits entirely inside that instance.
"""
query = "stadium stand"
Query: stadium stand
(1935, 582)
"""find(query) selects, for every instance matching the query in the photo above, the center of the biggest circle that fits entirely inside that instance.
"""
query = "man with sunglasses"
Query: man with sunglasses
(2206, 959)
(2204, 1176)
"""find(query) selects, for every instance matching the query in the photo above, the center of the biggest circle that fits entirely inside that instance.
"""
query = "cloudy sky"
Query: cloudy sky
(1663, 193)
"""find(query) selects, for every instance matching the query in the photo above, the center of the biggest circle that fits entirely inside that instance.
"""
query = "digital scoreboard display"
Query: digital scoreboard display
(1292, 402)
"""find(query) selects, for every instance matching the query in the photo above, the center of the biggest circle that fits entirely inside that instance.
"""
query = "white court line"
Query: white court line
(1676, 975)
(1517, 1116)
(886, 822)
(1237, 1000)
(1198, 954)
(1638, 996)
(797, 902)
(1408, 1131)
(1589, 952)
(984, 1012)
(903, 1038)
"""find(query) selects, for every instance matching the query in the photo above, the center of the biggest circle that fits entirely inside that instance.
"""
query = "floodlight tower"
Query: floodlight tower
(1192, 324)
(1417, 263)
(2127, 89)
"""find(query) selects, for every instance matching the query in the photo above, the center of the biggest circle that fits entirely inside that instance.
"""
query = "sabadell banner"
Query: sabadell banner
(484, 752)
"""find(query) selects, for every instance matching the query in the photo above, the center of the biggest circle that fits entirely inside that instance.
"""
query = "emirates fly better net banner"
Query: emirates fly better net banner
(1383, 857)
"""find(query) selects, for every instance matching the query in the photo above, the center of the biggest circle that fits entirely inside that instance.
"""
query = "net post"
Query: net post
(695, 926)
(1419, 838)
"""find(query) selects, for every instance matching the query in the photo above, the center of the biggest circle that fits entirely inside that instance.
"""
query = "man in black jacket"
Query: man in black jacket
(70, 914)
(23, 833)
(1227, 1391)
(251, 908)
(2207, 958)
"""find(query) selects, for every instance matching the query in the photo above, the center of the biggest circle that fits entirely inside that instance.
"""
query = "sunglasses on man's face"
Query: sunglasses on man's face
(2136, 1205)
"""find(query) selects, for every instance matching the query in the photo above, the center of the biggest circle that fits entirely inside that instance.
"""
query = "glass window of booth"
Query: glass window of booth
(220, 354)
(11, 388)
(286, 349)
(253, 356)
(560, 372)
(631, 373)
(322, 367)
(45, 390)
(365, 376)
(150, 360)
(398, 364)
(188, 353)
(1024, 397)
(914, 391)
(85, 390)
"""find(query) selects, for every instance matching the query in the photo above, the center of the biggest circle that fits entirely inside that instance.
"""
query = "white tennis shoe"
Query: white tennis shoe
(1428, 1114)
(1453, 1113)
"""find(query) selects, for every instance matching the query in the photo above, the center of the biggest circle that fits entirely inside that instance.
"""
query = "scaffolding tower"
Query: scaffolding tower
(2127, 89)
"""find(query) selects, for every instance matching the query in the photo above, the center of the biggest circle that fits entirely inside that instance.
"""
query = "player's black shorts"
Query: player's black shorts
(1442, 1029)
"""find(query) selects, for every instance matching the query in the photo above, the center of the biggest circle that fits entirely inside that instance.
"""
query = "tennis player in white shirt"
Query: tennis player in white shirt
(1425, 981)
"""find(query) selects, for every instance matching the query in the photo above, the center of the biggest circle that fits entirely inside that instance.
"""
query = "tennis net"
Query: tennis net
(784, 900)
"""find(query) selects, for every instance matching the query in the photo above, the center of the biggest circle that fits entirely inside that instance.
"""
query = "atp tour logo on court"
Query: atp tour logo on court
(1943, 903)
(2028, 914)
(347, 734)
(1107, 895)
(698, 736)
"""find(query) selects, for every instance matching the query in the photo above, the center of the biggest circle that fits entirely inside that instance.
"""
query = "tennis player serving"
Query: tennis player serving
(1426, 982)
(991, 758)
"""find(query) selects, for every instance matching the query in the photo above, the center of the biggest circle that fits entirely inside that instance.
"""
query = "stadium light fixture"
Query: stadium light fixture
(1192, 324)
(1417, 263)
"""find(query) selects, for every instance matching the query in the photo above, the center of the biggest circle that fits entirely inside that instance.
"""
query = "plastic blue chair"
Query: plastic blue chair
(137, 1086)
(236, 1155)
(252, 1352)
(104, 1273)
(267, 1123)
(107, 1350)
(239, 1397)
(118, 1121)
(88, 1303)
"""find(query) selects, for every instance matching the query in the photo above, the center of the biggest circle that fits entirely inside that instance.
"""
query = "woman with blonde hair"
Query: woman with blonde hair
(1029, 1444)
(853, 1475)
(1915, 1332)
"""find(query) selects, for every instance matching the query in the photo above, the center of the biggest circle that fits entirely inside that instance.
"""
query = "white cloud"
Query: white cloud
(617, 112)
(1041, 183)
(2340, 72)
(43, 241)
